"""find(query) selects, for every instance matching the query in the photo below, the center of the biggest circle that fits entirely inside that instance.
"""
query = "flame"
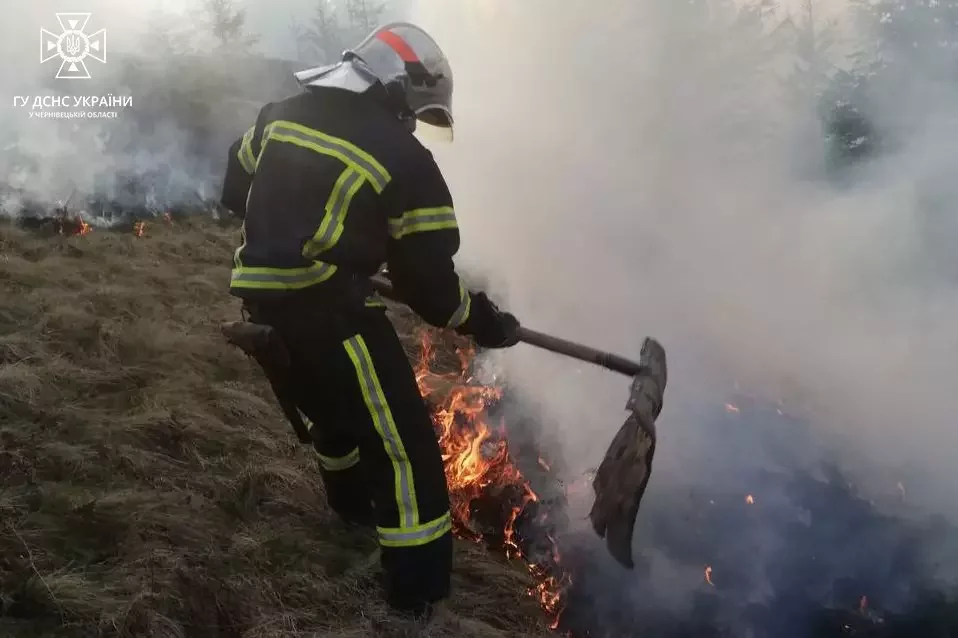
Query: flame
(168, 218)
(477, 463)
(729, 407)
(708, 575)
(76, 227)
(863, 604)
(139, 228)
(750, 499)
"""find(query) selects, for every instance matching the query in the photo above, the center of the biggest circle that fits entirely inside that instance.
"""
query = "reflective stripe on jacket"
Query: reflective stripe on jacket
(331, 185)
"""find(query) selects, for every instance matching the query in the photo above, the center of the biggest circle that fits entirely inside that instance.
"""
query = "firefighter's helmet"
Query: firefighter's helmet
(406, 60)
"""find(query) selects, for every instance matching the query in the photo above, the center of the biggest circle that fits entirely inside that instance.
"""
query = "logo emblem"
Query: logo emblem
(73, 46)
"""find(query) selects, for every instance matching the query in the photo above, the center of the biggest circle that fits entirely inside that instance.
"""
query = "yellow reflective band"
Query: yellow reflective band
(416, 534)
(281, 278)
(339, 463)
(346, 152)
(422, 220)
(237, 254)
(375, 301)
(462, 312)
(245, 154)
(306, 420)
(337, 206)
(386, 427)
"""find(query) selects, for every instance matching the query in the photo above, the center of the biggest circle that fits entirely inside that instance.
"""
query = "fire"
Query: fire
(139, 228)
(708, 575)
(72, 227)
(477, 464)
(750, 499)
(731, 408)
(863, 604)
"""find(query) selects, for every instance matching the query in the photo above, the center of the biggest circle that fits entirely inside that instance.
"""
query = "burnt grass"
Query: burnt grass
(149, 485)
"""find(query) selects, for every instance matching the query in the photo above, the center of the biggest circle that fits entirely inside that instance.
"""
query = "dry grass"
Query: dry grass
(149, 485)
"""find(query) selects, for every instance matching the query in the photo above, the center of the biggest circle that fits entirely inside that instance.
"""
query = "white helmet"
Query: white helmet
(406, 60)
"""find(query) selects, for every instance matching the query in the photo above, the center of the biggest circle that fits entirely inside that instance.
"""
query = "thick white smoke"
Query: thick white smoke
(156, 144)
(633, 168)
(628, 169)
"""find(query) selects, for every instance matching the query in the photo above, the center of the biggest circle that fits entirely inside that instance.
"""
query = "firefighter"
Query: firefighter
(332, 185)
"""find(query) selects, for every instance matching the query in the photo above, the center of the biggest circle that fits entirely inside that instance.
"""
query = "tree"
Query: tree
(910, 30)
(364, 16)
(321, 41)
(167, 34)
(227, 23)
(906, 57)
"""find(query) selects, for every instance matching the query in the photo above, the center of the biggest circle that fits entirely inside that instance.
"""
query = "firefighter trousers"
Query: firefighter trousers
(379, 455)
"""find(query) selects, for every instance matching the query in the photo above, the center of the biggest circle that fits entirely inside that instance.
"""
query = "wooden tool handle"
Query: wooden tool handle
(578, 351)
(547, 342)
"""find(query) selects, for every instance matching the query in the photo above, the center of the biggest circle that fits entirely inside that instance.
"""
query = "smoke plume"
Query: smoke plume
(166, 149)
(646, 168)
(624, 169)
(639, 171)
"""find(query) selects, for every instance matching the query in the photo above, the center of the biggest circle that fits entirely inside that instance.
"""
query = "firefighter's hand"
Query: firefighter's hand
(489, 326)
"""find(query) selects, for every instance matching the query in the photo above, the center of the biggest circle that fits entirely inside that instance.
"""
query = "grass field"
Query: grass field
(149, 485)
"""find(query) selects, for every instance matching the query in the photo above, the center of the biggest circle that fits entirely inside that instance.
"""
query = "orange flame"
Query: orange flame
(708, 575)
(750, 499)
(477, 462)
(139, 228)
(78, 227)
(729, 407)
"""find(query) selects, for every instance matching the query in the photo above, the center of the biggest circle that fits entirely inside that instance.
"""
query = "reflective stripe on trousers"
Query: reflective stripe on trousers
(339, 463)
(418, 535)
(333, 463)
(375, 399)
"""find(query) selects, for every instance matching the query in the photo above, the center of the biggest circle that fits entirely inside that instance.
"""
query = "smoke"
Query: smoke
(165, 149)
(640, 168)
(642, 171)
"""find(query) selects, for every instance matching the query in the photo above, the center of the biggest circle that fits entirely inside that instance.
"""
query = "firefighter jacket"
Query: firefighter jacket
(331, 185)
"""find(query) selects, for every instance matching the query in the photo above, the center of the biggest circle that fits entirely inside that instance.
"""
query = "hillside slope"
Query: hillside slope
(149, 485)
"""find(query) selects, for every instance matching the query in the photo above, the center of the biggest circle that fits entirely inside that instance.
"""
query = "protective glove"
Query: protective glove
(488, 326)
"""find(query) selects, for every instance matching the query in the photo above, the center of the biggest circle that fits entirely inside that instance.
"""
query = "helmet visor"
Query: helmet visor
(434, 123)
